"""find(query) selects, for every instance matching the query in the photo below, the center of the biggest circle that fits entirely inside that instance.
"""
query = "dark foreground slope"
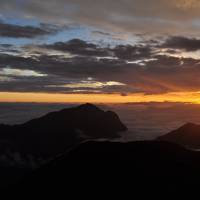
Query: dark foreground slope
(102, 166)
(188, 135)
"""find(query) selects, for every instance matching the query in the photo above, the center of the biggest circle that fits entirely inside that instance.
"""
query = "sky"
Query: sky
(100, 51)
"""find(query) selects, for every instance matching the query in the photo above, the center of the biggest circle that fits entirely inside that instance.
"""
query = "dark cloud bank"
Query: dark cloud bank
(183, 43)
(17, 31)
(159, 16)
(94, 68)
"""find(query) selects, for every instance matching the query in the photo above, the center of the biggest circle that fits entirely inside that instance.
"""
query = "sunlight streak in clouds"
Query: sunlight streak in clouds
(89, 84)
(19, 72)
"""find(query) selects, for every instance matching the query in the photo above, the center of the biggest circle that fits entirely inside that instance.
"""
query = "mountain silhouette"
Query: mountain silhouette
(55, 132)
(94, 165)
(101, 166)
(187, 135)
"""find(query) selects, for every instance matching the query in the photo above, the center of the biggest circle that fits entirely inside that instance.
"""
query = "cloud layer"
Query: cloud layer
(17, 31)
(124, 15)
(81, 67)
(165, 58)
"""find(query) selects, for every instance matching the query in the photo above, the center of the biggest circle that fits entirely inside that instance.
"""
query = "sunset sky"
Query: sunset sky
(100, 51)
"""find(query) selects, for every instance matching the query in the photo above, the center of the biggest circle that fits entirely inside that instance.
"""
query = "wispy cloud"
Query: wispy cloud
(19, 72)
(131, 15)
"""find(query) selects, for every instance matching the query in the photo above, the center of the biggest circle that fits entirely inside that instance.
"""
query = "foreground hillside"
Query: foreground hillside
(105, 165)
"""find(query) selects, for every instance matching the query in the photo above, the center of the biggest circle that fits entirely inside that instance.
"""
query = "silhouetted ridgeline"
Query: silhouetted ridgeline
(187, 135)
(55, 132)
(89, 164)
(27, 146)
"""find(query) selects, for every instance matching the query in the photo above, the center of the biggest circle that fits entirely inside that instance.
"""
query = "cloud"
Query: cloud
(89, 85)
(82, 48)
(182, 43)
(154, 65)
(5, 79)
(17, 31)
(101, 33)
(157, 76)
(129, 52)
(130, 69)
(19, 72)
(160, 16)
(78, 47)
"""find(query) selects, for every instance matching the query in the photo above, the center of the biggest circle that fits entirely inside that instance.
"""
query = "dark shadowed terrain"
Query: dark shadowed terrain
(187, 135)
(108, 167)
(79, 148)
(49, 135)
(29, 145)
(145, 121)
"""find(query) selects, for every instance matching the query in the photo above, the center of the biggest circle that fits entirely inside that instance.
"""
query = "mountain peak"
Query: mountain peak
(189, 125)
(88, 106)
(187, 135)
(56, 131)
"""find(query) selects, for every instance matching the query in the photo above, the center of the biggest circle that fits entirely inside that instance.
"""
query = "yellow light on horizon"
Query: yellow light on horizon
(183, 97)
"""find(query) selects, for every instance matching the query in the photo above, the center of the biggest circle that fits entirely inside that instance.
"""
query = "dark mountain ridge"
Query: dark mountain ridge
(56, 131)
(187, 135)
(27, 146)
(88, 164)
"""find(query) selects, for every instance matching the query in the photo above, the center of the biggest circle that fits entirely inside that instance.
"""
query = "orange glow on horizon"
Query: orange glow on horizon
(189, 97)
